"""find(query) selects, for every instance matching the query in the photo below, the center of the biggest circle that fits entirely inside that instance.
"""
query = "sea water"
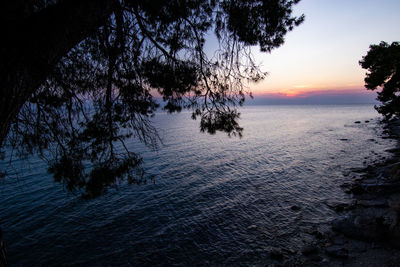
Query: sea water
(213, 200)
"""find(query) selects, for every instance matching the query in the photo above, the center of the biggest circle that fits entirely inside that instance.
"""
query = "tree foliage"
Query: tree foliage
(104, 90)
(383, 64)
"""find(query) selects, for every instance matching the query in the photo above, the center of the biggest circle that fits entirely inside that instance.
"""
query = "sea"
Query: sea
(212, 199)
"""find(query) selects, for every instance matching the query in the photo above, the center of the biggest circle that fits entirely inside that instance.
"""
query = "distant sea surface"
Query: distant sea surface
(214, 199)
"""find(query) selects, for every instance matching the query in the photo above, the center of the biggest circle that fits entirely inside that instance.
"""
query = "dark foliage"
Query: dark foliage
(101, 92)
(383, 64)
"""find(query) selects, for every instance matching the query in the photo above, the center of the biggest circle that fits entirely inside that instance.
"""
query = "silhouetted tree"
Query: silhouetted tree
(79, 77)
(383, 64)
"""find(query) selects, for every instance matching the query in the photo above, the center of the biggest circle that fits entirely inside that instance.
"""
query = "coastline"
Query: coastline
(367, 230)
(372, 220)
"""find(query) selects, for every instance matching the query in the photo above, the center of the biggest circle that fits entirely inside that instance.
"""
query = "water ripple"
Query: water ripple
(215, 200)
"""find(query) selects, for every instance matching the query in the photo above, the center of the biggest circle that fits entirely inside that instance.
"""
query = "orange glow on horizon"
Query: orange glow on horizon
(302, 92)
(290, 93)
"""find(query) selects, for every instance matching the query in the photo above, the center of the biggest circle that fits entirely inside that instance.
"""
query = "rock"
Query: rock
(353, 227)
(394, 172)
(373, 203)
(357, 122)
(310, 263)
(367, 121)
(315, 258)
(382, 188)
(357, 189)
(366, 196)
(358, 170)
(338, 240)
(318, 234)
(309, 249)
(345, 184)
(393, 150)
(375, 224)
(394, 236)
(348, 191)
(295, 208)
(289, 250)
(337, 205)
(337, 252)
(394, 201)
(344, 139)
(276, 254)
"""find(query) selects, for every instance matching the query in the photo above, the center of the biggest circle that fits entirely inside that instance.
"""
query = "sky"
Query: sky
(319, 59)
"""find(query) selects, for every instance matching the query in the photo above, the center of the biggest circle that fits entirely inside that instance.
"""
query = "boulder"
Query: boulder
(337, 252)
(309, 249)
(356, 227)
(276, 254)
(295, 208)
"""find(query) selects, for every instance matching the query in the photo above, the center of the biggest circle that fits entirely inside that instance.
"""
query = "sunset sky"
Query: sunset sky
(320, 57)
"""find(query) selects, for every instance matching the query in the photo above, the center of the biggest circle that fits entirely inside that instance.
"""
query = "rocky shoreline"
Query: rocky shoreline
(373, 218)
(367, 230)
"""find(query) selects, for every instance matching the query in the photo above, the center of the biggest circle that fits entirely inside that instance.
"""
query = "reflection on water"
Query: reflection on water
(215, 199)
